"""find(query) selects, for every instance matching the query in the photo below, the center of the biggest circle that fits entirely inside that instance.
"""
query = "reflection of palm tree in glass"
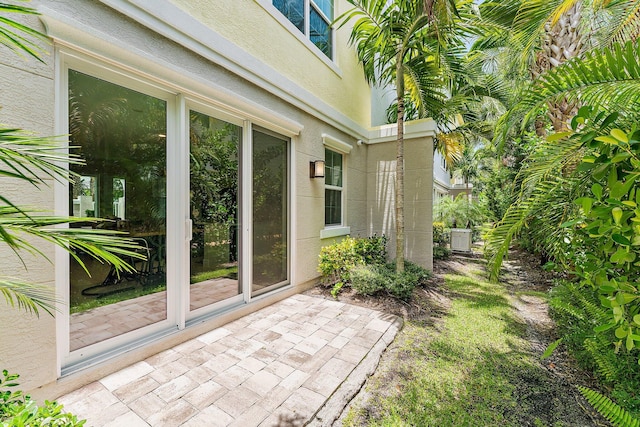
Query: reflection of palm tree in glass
(121, 134)
(214, 148)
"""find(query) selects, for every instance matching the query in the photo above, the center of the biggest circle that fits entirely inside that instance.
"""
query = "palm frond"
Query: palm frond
(624, 22)
(27, 296)
(31, 158)
(613, 412)
(19, 37)
(606, 78)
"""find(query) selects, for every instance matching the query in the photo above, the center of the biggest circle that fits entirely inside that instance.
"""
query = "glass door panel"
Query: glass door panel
(121, 135)
(214, 161)
(270, 212)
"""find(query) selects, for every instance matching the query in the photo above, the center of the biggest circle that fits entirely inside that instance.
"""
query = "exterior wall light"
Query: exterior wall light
(316, 169)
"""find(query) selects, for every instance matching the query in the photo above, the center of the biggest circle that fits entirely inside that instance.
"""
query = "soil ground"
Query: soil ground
(549, 394)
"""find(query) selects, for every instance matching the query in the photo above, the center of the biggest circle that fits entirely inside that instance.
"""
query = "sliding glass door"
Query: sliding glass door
(204, 193)
(270, 172)
(121, 135)
(214, 208)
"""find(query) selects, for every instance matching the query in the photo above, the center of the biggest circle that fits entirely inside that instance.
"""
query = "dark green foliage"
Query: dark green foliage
(577, 313)
(441, 237)
(609, 409)
(440, 252)
(371, 279)
(18, 410)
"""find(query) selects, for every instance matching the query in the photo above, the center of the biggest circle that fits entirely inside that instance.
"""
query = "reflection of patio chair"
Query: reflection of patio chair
(142, 269)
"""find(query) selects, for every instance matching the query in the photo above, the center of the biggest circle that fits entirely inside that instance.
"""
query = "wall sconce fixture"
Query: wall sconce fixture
(316, 169)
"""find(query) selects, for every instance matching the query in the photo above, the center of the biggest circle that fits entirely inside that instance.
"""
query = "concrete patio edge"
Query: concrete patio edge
(340, 399)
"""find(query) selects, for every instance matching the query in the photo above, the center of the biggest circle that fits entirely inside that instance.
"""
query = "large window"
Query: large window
(333, 188)
(311, 17)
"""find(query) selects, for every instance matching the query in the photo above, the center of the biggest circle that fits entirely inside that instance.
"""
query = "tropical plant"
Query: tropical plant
(608, 77)
(32, 160)
(18, 410)
(617, 415)
(401, 43)
(459, 212)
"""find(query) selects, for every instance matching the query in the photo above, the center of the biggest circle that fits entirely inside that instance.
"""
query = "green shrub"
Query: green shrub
(368, 279)
(421, 273)
(18, 410)
(440, 252)
(338, 259)
(402, 285)
(441, 234)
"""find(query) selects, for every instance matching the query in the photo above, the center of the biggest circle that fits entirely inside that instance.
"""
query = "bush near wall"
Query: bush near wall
(441, 237)
(361, 264)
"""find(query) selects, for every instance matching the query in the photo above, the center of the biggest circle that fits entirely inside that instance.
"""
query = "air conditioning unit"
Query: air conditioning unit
(460, 240)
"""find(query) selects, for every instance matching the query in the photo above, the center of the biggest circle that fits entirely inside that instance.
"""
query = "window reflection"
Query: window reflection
(214, 146)
(121, 135)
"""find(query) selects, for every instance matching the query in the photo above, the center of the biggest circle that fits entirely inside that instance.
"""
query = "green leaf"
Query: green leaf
(619, 135)
(619, 256)
(596, 189)
(621, 240)
(629, 203)
(550, 349)
(558, 136)
(586, 203)
(636, 319)
(610, 119)
(617, 214)
(605, 327)
(621, 332)
(619, 157)
(607, 140)
(630, 344)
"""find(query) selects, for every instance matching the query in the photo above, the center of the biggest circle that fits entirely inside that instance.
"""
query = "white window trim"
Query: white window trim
(303, 37)
(343, 148)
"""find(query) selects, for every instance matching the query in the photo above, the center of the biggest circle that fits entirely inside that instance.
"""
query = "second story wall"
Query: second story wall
(258, 28)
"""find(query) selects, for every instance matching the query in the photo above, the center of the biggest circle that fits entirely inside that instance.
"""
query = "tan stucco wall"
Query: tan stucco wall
(381, 162)
(254, 30)
(27, 102)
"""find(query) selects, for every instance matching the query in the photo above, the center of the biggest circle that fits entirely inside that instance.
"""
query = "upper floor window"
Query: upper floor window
(313, 18)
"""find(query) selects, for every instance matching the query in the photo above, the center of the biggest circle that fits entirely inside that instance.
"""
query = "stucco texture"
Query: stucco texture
(418, 196)
(254, 30)
(28, 342)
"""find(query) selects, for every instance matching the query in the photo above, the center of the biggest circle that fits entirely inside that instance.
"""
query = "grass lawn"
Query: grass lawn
(471, 366)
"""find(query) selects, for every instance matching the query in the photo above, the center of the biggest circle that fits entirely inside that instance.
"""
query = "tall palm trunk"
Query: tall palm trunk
(563, 41)
(400, 167)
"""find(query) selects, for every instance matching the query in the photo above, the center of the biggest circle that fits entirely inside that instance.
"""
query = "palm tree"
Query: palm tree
(538, 36)
(31, 159)
(401, 43)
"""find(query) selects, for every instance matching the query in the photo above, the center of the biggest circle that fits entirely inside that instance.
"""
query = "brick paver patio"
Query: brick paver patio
(295, 362)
